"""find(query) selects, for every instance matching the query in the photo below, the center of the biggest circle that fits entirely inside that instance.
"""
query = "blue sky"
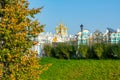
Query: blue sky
(93, 14)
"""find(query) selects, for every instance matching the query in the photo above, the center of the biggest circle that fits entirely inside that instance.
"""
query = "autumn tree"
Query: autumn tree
(2, 5)
(17, 28)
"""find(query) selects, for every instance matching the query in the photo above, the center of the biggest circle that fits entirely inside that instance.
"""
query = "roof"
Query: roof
(79, 33)
(111, 30)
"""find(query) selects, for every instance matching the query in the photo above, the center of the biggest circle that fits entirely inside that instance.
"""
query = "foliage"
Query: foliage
(47, 49)
(107, 50)
(116, 50)
(68, 51)
(111, 51)
(2, 5)
(83, 50)
(98, 49)
(60, 50)
(81, 69)
(17, 60)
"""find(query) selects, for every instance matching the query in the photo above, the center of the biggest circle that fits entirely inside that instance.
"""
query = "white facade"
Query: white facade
(45, 38)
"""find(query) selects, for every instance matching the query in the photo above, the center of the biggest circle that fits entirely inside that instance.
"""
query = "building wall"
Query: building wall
(83, 37)
(115, 38)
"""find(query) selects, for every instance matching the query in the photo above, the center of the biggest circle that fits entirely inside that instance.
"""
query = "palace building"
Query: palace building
(61, 34)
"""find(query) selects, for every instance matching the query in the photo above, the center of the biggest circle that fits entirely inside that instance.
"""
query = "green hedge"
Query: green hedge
(60, 50)
(116, 51)
(98, 50)
(72, 51)
(83, 51)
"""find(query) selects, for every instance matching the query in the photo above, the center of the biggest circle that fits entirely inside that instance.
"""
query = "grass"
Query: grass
(81, 69)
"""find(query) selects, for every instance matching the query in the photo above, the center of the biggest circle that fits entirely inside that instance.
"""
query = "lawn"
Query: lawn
(81, 69)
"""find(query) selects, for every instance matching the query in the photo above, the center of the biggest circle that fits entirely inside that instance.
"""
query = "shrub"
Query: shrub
(63, 51)
(91, 52)
(107, 53)
(72, 51)
(47, 48)
(111, 51)
(55, 52)
(60, 50)
(116, 51)
(98, 49)
(83, 50)
(68, 51)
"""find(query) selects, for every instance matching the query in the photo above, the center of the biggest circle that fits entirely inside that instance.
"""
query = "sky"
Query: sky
(93, 14)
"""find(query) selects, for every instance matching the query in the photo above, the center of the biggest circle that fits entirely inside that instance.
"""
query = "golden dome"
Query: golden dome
(61, 29)
(54, 39)
(65, 28)
(57, 28)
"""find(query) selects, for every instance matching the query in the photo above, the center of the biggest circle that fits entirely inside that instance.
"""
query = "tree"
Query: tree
(2, 5)
(17, 28)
